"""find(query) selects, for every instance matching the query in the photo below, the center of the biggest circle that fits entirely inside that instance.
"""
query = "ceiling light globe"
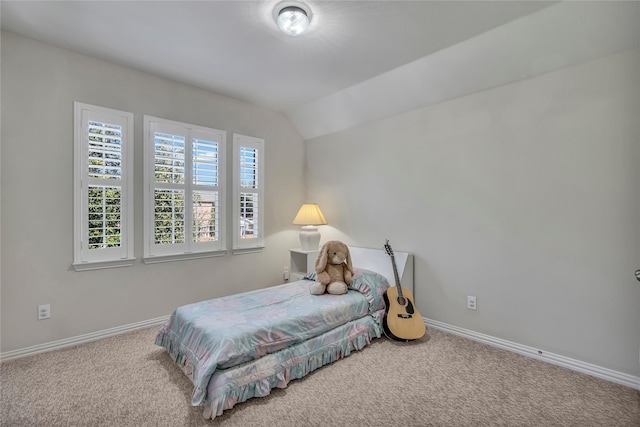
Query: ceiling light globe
(293, 20)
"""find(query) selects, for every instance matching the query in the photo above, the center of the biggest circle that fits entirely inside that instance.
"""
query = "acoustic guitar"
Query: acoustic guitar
(402, 322)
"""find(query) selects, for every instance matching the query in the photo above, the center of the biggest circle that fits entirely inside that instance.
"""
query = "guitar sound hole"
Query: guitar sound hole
(402, 301)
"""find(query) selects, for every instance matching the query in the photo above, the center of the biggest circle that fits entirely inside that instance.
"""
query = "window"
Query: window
(103, 187)
(184, 191)
(248, 193)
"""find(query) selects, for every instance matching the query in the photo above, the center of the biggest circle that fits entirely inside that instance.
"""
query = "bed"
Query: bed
(242, 346)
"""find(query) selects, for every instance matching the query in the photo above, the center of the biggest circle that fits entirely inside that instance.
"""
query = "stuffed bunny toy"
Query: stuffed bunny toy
(333, 269)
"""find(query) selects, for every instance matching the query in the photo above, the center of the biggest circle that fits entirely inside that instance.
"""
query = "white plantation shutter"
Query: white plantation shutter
(169, 158)
(168, 217)
(183, 190)
(105, 217)
(104, 202)
(105, 150)
(205, 183)
(248, 234)
(103, 190)
(249, 185)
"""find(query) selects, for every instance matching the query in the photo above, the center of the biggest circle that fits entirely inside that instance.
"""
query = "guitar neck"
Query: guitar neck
(395, 276)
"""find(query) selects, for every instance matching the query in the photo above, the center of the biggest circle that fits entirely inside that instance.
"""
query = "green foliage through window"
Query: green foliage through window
(169, 217)
(105, 227)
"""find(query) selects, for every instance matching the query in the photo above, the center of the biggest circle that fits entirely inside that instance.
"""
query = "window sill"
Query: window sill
(240, 251)
(180, 257)
(97, 265)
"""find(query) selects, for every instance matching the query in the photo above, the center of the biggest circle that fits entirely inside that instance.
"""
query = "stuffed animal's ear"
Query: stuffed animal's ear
(349, 265)
(321, 262)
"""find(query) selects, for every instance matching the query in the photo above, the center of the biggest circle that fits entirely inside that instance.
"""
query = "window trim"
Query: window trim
(241, 246)
(124, 256)
(190, 250)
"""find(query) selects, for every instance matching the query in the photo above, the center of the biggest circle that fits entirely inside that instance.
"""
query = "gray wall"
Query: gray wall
(525, 195)
(39, 85)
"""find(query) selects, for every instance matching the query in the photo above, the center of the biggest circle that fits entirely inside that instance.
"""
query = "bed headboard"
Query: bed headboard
(377, 260)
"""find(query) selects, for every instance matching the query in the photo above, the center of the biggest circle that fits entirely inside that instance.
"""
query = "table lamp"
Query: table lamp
(309, 216)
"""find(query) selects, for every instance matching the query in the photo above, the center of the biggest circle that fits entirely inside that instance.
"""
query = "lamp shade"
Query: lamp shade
(309, 214)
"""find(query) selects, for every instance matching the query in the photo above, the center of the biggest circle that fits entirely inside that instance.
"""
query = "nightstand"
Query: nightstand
(301, 262)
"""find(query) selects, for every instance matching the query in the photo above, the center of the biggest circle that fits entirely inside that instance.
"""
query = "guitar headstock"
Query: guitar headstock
(387, 247)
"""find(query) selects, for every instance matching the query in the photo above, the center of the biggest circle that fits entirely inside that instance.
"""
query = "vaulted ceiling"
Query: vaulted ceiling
(360, 60)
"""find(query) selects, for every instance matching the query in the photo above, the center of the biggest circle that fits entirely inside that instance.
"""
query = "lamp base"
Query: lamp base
(309, 238)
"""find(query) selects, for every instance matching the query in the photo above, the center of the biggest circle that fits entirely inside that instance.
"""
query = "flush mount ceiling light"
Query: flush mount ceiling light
(293, 18)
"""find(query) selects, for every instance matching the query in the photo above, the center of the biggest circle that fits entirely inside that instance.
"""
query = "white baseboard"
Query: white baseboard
(80, 339)
(555, 359)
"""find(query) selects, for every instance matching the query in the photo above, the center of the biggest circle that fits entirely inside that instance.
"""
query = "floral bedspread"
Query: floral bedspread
(220, 333)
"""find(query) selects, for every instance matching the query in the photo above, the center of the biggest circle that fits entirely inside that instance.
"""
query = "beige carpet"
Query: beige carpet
(440, 380)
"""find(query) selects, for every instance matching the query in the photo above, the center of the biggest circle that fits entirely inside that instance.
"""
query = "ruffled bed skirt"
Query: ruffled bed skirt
(257, 378)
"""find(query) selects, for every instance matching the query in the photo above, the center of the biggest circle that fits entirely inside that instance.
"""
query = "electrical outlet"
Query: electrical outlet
(285, 274)
(44, 311)
(471, 302)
